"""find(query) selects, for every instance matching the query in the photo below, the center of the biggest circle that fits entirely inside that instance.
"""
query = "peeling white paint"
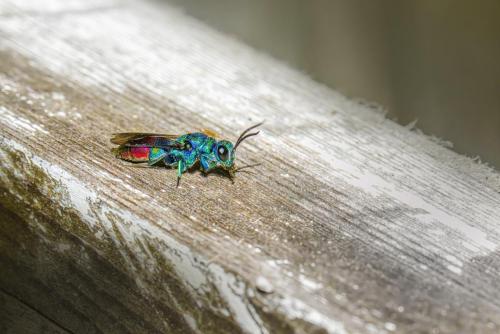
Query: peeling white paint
(295, 308)
(376, 186)
(234, 294)
(187, 265)
(121, 182)
(9, 119)
(134, 230)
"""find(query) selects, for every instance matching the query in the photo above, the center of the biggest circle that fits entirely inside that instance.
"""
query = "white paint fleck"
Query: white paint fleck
(371, 328)
(295, 308)
(191, 322)
(309, 283)
(390, 326)
(453, 260)
(263, 285)
(455, 266)
(454, 269)
(62, 247)
(59, 114)
(57, 96)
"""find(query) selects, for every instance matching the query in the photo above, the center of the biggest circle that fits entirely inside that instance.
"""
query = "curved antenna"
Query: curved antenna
(247, 166)
(245, 137)
(239, 169)
(242, 137)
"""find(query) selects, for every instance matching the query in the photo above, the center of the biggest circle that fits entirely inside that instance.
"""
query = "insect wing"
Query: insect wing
(135, 139)
(210, 133)
(126, 137)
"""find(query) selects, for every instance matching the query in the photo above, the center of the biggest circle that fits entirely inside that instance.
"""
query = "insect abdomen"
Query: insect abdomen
(132, 154)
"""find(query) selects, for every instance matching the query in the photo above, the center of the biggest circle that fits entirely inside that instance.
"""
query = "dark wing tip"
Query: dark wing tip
(125, 137)
(120, 138)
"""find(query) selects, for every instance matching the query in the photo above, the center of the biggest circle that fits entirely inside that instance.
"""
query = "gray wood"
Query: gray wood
(353, 224)
(17, 317)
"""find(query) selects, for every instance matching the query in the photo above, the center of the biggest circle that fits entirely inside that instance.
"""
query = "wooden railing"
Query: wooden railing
(351, 224)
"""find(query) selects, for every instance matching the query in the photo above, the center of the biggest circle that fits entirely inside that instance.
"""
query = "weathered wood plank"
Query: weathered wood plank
(17, 317)
(358, 224)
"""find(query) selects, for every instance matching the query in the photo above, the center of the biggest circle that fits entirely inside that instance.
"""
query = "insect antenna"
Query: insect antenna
(239, 169)
(247, 166)
(248, 172)
(244, 134)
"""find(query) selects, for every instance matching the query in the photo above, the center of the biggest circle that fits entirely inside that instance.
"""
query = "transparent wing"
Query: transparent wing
(137, 137)
(210, 133)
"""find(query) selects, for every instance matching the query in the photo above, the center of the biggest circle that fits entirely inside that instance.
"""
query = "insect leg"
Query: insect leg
(207, 162)
(231, 174)
(180, 169)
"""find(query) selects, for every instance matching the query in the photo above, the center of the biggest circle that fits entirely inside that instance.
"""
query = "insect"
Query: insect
(181, 151)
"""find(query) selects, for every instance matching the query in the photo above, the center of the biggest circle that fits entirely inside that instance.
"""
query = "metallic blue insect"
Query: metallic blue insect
(181, 151)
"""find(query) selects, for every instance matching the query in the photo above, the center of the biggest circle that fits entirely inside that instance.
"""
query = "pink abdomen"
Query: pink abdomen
(135, 154)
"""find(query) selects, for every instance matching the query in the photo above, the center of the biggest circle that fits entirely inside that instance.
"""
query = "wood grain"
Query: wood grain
(353, 224)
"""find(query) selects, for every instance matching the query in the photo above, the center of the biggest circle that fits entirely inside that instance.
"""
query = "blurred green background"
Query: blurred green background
(434, 61)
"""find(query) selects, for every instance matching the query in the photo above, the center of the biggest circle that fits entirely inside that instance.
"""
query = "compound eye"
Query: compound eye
(223, 153)
(188, 146)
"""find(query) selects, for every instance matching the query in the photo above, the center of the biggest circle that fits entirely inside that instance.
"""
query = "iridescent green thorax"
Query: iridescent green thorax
(200, 147)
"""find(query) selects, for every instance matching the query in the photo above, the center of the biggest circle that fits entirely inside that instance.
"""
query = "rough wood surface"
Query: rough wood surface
(352, 225)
